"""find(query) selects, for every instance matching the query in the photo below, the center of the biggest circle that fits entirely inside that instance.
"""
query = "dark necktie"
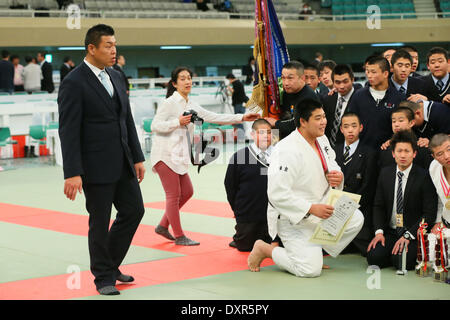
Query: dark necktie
(346, 155)
(337, 121)
(262, 157)
(400, 193)
(440, 85)
(402, 90)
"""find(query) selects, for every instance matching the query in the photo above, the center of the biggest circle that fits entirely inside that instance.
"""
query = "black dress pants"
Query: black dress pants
(383, 257)
(108, 246)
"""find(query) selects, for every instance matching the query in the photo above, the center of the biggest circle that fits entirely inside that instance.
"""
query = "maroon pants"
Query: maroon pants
(178, 189)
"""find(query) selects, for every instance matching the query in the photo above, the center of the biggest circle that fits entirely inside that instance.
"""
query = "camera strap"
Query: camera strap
(210, 153)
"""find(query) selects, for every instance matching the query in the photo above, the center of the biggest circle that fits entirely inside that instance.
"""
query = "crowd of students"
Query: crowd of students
(390, 139)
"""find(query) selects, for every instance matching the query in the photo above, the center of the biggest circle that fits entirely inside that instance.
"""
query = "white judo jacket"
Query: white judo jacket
(296, 179)
(436, 171)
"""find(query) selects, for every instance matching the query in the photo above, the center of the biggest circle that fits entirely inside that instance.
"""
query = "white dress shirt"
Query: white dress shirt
(258, 151)
(169, 143)
(97, 71)
(392, 223)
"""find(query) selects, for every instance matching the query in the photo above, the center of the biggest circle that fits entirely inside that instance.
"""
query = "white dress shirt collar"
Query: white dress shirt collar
(397, 85)
(94, 69)
(444, 79)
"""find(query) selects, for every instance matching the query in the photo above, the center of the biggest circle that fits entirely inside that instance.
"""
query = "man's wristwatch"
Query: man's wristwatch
(407, 236)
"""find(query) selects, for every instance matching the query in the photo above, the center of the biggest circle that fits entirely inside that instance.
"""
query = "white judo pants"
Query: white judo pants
(303, 258)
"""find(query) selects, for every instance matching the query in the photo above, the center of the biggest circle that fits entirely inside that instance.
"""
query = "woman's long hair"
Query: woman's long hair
(173, 79)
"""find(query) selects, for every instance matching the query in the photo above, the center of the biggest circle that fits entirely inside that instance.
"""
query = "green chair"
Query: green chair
(37, 135)
(147, 126)
(6, 143)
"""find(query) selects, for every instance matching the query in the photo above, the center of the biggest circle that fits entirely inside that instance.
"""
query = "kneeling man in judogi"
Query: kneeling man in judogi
(302, 172)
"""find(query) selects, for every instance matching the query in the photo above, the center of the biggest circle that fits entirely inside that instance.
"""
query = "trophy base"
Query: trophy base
(441, 276)
(421, 272)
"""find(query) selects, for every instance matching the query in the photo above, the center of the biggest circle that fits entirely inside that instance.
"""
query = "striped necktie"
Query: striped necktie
(400, 192)
(440, 85)
(337, 121)
(346, 155)
(402, 90)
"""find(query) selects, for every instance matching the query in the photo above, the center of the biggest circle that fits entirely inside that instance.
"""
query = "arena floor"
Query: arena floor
(43, 244)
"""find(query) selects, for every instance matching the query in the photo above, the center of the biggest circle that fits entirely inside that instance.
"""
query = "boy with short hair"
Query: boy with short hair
(246, 187)
(358, 163)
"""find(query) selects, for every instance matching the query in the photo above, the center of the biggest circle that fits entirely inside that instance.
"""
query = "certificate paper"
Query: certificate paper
(330, 231)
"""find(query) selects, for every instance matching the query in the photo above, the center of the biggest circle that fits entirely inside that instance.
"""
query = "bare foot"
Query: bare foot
(325, 266)
(256, 256)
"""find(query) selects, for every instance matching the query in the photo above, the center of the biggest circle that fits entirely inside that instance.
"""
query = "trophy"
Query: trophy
(423, 257)
(441, 261)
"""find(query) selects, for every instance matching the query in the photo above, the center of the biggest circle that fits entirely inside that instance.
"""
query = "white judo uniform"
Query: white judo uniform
(436, 171)
(296, 180)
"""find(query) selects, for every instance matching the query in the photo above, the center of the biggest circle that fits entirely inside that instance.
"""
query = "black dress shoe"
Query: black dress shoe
(232, 244)
(108, 291)
(125, 278)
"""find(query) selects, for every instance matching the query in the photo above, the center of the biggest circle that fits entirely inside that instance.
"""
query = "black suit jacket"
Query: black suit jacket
(432, 92)
(95, 138)
(63, 71)
(329, 106)
(47, 81)
(419, 200)
(360, 177)
(415, 85)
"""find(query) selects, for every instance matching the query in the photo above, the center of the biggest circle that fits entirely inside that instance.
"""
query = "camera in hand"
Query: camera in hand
(194, 117)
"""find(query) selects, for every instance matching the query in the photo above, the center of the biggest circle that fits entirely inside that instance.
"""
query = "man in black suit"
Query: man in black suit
(102, 155)
(437, 84)
(404, 196)
(401, 69)
(66, 67)
(358, 163)
(47, 73)
(336, 105)
(6, 73)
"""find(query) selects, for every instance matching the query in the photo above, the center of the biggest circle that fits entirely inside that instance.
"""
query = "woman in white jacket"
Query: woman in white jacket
(170, 155)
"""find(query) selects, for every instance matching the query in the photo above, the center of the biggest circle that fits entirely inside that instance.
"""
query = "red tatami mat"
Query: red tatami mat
(212, 256)
(206, 207)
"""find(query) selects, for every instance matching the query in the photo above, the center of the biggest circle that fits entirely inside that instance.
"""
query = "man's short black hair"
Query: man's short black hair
(28, 59)
(230, 76)
(294, 64)
(437, 50)
(327, 63)
(5, 54)
(304, 109)
(410, 49)
(404, 136)
(350, 114)
(382, 62)
(15, 56)
(95, 33)
(66, 59)
(312, 67)
(401, 53)
(341, 69)
(406, 111)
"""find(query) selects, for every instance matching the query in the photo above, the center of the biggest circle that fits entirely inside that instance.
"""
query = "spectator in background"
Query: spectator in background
(47, 73)
(18, 69)
(318, 59)
(238, 99)
(6, 73)
(120, 63)
(201, 5)
(66, 67)
(32, 76)
(248, 70)
(306, 10)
